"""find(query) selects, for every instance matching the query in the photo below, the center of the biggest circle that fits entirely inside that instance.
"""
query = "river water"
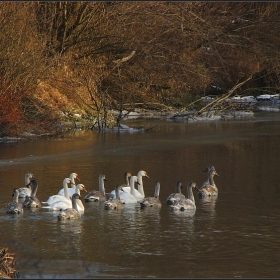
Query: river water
(235, 235)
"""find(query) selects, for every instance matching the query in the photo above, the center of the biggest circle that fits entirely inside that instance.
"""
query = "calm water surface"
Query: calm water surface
(233, 236)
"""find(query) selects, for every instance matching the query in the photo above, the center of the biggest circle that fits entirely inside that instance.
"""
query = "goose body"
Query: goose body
(73, 212)
(139, 194)
(129, 197)
(15, 207)
(71, 190)
(97, 195)
(188, 203)
(209, 187)
(114, 203)
(63, 197)
(24, 191)
(65, 204)
(152, 201)
(32, 201)
(125, 186)
(174, 197)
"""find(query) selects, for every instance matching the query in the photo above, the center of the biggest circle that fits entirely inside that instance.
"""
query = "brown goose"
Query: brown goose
(15, 207)
(152, 201)
(114, 203)
(32, 201)
(174, 197)
(71, 213)
(186, 204)
(209, 187)
(97, 195)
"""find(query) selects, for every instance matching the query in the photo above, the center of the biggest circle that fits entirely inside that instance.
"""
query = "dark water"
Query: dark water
(233, 236)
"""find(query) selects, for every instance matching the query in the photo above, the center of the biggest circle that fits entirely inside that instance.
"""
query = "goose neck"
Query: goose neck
(117, 191)
(132, 183)
(190, 192)
(157, 189)
(74, 204)
(211, 179)
(34, 188)
(140, 186)
(101, 185)
(66, 191)
(16, 195)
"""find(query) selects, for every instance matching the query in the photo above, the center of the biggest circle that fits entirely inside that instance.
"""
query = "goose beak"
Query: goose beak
(197, 188)
(85, 189)
(78, 178)
(217, 174)
(147, 176)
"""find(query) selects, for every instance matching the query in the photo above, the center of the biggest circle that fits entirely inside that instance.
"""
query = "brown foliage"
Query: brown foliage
(102, 55)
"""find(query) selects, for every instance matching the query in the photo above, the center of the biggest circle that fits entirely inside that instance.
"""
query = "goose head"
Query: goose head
(74, 176)
(208, 168)
(81, 187)
(28, 177)
(102, 177)
(143, 174)
(127, 175)
(66, 181)
(213, 172)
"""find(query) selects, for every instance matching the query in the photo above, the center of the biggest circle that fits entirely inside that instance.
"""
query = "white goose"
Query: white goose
(60, 197)
(186, 204)
(72, 190)
(139, 194)
(64, 203)
(15, 207)
(97, 195)
(129, 197)
(209, 187)
(73, 212)
(23, 192)
(114, 203)
(152, 201)
(174, 197)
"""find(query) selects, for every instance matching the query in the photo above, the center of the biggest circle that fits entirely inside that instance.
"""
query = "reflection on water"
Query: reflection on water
(232, 235)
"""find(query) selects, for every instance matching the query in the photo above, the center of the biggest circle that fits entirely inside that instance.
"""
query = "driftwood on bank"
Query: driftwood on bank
(7, 265)
(223, 97)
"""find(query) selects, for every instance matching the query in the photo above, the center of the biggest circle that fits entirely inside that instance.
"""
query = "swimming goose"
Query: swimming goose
(125, 187)
(72, 190)
(32, 201)
(139, 194)
(129, 197)
(73, 212)
(209, 187)
(114, 203)
(186, 204)
(64, 203)
(60, 197)
(174, 197)
(15, 207)
(27, 189)
(152, 201)
(208, 168)
(97, 195)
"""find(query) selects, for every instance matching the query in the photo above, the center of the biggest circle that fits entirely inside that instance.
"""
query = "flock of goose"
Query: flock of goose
(68, 200)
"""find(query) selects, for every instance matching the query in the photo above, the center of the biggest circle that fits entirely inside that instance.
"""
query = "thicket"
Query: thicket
(96, 56)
